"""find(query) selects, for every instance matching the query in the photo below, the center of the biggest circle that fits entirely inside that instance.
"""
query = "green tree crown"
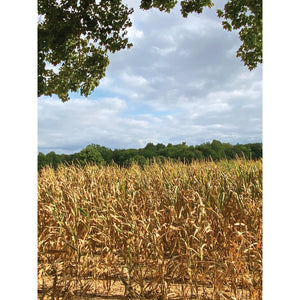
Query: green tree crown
(75, 36)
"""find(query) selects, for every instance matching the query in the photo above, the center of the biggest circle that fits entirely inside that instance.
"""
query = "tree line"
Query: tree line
(101, 155)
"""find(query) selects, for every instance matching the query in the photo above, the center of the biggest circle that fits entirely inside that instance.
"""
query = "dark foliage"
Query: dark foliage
(125, 157)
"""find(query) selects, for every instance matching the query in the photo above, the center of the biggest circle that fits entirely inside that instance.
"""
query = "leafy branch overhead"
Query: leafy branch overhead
(245, 16)
(75, 37)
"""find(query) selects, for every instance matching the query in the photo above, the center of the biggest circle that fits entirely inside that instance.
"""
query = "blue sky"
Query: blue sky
(181, 81)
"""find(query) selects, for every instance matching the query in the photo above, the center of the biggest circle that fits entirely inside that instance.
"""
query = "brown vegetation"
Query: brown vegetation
(167, 231)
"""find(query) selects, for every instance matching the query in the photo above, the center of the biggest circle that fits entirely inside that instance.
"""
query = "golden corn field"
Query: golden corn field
(165, 231)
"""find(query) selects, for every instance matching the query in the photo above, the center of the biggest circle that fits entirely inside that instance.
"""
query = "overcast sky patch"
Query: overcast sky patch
(181, 81)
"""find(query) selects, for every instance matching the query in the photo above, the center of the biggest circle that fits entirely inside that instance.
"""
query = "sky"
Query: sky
(180, 82)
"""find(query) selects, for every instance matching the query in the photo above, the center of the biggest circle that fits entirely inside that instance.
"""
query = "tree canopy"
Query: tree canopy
(75, 37)
(96, 154)
(245, 16)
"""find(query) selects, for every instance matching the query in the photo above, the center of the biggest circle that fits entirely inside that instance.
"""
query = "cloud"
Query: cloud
(181, 81)
(77, 122)
(134, 80)
(134, 34)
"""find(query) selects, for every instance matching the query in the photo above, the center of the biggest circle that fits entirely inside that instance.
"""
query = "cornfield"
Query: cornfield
(164, 231)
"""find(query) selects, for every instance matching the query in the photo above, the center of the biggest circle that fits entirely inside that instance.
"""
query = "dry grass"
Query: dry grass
(168, 231)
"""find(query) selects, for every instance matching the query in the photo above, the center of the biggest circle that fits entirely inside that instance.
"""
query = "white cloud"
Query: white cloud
(134, 34)
(134, 80)
(105, 82)
(181, 81)
(164, 51)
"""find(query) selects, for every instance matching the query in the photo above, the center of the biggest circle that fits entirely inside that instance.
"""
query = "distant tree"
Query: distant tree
(160, 159)
(106, 153)
(171, 151)
(75, 37)
(42, 160)
(72, 158)
(198, 154)
(139, 159)
(160, 146)
(242, 150)
(53, 159)
(218, 147)
(208, 152)
(150, 146)
(149, 151)
(121, 156)
(90, 155)
(180, 151)
(161, 150)
(229, 151)
(256, 150)
(124, 157)
(191, 154)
